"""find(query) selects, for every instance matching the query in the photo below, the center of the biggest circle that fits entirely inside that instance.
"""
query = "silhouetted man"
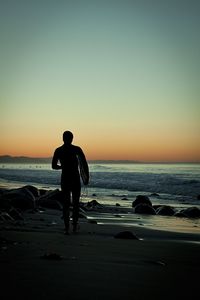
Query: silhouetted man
(71, 160)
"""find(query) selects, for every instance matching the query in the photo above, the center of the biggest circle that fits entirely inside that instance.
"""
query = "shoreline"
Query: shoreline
(106, 259)
(107, 211)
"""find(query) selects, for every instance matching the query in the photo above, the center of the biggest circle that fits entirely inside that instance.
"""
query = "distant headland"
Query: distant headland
(5, 159)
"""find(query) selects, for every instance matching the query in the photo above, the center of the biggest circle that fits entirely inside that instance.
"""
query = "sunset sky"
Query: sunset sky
(123, 76)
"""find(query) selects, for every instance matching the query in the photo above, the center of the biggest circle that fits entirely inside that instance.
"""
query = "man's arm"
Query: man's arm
(55, 160)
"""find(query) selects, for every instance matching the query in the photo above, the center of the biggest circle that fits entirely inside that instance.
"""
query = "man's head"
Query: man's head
(67, 137)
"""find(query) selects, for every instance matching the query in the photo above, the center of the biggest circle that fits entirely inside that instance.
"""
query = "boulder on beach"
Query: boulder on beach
(51, 199)
(126, 235)
(33, 190)
(165, 210)
(144, 208)
(141, 199)
(93, 204)
(18, 198)
(191, 212)
(180, 214)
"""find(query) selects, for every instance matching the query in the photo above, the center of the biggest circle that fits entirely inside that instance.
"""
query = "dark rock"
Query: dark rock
(191, 212)
(141, 199)
(52, 199)
(93, 204)
(19, 198)
(165, 210)
(180, 214)
(126, 235)
(155, 195)
(117, 204)
(33, 190)
(144, 208)
(124, 198)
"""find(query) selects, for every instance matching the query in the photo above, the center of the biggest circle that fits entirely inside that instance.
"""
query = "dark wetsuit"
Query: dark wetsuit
(68, 155)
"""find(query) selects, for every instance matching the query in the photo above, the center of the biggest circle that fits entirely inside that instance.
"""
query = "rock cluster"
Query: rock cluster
(143, 205)
(13, 202)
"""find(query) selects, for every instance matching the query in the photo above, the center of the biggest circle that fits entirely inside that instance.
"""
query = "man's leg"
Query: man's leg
(66, 209)
(75, 198)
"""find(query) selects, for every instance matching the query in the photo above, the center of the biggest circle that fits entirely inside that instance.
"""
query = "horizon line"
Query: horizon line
(10, 159)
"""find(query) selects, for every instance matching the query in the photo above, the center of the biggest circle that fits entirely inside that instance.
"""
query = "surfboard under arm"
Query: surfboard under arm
(83, 167)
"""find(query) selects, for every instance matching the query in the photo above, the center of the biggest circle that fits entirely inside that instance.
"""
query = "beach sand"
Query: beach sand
(37, 261)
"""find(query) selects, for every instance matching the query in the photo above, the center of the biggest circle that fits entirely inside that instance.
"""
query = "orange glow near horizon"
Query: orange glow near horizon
(137, 149)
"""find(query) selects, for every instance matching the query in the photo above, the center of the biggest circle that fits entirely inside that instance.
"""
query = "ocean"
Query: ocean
(166, 183)
(177, 185)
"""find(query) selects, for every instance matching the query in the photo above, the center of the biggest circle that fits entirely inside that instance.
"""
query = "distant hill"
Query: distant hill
(4, 159)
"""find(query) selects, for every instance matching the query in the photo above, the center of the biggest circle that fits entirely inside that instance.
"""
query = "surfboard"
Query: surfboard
(83, 168)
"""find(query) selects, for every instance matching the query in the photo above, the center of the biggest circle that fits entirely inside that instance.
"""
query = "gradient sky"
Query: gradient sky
(123, 76)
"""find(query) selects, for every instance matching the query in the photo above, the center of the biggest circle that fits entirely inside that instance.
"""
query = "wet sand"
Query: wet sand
(39, 262)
